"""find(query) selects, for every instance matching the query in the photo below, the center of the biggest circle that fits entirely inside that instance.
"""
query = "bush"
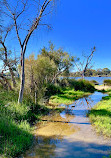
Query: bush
(94, 82)
(52, 90)
(107, 82)
(63, 83)
(82, 85)
(15, 121)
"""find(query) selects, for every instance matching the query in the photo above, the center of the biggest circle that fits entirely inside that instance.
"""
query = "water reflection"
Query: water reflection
(44, 147)
(54, 128)
(56, 125)
(81, 106)
(49, 133)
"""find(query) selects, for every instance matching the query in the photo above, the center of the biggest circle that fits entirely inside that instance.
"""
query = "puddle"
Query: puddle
(56, 126)
(54, 129)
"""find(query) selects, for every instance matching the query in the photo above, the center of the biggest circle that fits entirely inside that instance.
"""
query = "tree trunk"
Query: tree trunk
(12, 76)
(83, 75)
(11, 72)
(22, 80)
(6, 81)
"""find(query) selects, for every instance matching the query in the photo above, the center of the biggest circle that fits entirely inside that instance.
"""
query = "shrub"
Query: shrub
(94, 82)
(107, 82)
(52, 90)
(63, 83)
(82, 85)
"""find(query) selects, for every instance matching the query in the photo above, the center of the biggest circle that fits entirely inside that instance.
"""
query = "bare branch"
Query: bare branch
(8, 30)
(36, 23)
(16, 27)
(25, 4)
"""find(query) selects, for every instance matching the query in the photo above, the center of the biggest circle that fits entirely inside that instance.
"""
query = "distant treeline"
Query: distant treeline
(92, 72)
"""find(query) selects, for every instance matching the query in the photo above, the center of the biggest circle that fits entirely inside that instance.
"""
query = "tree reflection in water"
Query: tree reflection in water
(53, 128)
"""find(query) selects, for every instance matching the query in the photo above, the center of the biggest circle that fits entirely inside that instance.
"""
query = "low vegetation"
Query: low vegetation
(71, 90)
(107, 82)
(15, 123)
(94, 82)
(16, 120)
(68, 96)
(100, 116)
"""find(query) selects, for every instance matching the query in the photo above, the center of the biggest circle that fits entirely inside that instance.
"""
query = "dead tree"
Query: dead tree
(34, 25)
(84, 66)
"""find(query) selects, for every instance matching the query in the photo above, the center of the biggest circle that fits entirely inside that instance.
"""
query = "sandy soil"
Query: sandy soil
(102, 87)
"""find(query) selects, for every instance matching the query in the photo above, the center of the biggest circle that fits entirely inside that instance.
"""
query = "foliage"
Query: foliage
(107, 82)
(52, 90)
(92, 72)
(15, 138)
(43, 71)
(68, 96)
(82, 85)
(15, 120)
(39, 73)
(94, 82)
(63, 82)
(100, 116)
(62, 60)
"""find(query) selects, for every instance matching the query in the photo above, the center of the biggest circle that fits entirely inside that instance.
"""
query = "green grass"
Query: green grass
(15, 137)
(100, 116)
(15, 123)
(68, 96)
(16, 120)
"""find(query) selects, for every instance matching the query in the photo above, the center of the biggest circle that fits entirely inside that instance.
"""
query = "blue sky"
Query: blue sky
(78, 25)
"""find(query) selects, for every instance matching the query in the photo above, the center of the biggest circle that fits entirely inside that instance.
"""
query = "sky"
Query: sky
(77, 26)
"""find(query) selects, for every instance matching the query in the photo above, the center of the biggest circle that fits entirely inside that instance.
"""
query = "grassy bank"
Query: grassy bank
(68, 96)
(16, 120)
(15, 123)
(100, 116)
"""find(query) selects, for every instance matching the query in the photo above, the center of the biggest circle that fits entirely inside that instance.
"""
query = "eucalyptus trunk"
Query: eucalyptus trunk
(22, 80)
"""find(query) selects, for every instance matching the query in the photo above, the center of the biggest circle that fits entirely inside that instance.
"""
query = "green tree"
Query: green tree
(105, 71)
(39, 73)
(62, 60)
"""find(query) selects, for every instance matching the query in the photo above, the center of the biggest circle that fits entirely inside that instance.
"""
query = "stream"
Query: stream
(70, 134)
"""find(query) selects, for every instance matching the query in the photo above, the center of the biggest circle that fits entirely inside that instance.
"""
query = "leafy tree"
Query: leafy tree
(62, 60)
(105, 71)
(43, 71)
(39, 73)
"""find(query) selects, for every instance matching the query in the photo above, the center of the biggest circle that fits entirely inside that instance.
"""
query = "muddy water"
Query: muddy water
(70, 134)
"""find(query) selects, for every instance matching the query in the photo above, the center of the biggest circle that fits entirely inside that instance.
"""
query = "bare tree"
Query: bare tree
(86, 64)
(15, 14)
